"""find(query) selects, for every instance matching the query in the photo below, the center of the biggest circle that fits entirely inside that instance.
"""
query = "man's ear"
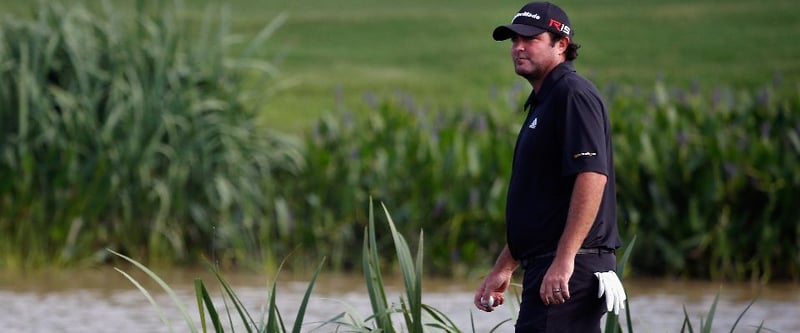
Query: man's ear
(563, 43)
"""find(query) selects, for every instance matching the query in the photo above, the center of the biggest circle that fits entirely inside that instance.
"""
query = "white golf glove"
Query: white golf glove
(612, 287)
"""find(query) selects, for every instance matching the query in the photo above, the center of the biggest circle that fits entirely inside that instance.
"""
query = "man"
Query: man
(561, 205)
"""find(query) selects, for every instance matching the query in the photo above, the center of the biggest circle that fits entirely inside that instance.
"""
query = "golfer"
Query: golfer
(561, 207)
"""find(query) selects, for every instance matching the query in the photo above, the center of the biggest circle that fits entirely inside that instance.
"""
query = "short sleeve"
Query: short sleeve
(585, 133)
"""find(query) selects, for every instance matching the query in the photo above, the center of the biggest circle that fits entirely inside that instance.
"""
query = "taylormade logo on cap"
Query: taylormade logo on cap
(559, 26)
(526, 14)
(533, 19)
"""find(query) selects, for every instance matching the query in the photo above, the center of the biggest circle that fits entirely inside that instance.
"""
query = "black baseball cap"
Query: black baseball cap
(533, 19)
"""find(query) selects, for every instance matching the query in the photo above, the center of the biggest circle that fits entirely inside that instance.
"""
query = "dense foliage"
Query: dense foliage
(445, 171)
(708, 183)
(128, 134)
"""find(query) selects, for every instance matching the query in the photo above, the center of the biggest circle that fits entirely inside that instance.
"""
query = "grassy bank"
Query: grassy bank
(442, 52)
(331, 53)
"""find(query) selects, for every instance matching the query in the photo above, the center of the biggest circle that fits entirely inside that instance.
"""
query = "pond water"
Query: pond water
(103, 300)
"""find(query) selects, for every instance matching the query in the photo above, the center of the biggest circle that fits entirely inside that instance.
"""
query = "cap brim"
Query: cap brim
(504, 32)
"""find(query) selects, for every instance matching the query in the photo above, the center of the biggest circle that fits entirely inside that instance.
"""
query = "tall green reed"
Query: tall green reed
(417, 317)
(707, 321)
(121, 131)
(272, 320)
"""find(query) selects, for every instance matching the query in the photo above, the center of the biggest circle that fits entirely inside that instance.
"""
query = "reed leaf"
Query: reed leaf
(274, 319)
(738, 318)
(149, 298)
(687, 324)
(705, 326)
(374, 279)
(203, 298)
(412, 276)
(440, 320)
(298, 322)
(164, 286)
(241, 310)
(612, 324)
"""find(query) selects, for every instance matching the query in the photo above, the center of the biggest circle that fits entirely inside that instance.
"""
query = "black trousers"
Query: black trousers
(581, 313)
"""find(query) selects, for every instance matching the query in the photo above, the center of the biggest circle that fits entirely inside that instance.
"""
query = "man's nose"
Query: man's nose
(516, 43)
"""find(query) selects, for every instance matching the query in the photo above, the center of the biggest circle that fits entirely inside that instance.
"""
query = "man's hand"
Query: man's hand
(610, 284)
(555, 284)
(490, 293)
(584, 204)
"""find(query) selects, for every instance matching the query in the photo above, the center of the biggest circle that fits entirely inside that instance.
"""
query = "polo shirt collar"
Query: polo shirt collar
(549, 82)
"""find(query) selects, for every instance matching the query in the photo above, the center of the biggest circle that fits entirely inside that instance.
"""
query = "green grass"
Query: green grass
(443, 52)
(331, 53)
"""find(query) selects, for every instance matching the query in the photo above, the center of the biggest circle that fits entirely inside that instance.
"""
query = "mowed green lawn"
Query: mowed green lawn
(334, 54)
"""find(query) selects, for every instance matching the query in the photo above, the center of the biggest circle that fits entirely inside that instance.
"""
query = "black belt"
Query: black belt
(594, 250)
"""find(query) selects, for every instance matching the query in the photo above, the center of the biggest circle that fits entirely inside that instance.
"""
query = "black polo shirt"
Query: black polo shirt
(566, 131)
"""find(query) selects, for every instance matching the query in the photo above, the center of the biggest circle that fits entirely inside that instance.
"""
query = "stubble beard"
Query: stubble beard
(532, 75)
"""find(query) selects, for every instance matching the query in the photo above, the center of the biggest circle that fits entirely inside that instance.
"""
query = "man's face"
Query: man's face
(535, 56)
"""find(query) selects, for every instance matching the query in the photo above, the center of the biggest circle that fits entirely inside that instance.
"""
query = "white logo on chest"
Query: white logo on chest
(533, 123)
